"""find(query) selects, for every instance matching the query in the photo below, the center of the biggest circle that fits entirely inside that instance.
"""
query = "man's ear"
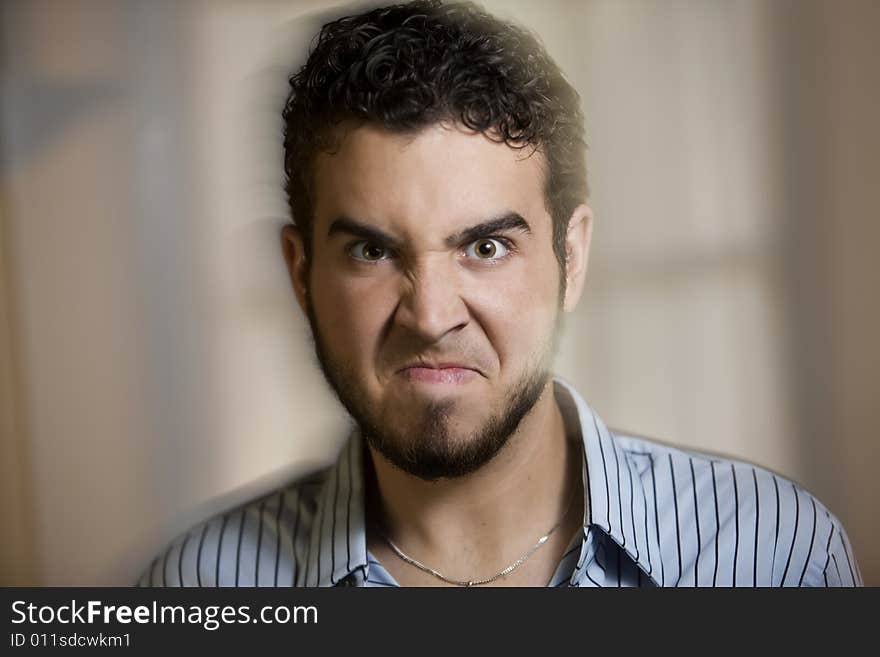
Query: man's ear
(297, 263)
(577, 251)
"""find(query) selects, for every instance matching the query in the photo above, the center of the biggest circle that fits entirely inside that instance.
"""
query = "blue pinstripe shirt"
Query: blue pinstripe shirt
(654, 516)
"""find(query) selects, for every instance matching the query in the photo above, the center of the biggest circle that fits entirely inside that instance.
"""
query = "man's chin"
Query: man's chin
(430, 463)
(441, 443)
(444, 436)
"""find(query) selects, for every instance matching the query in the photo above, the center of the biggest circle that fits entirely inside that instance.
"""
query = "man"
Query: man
(436, 175)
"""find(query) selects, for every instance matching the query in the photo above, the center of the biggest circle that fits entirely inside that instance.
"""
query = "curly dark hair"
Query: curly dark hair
(407, 66)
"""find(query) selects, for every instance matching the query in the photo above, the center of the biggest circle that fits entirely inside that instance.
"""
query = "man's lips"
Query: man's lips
(448, 373)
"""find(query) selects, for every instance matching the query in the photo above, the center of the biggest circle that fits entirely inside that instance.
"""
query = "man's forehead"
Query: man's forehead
(443, 177)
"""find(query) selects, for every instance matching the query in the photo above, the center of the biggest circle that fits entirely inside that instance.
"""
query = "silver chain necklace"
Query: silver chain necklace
(476, 582)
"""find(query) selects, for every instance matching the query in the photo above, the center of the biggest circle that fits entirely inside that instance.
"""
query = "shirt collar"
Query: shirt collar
(615, 501)
(338, 544)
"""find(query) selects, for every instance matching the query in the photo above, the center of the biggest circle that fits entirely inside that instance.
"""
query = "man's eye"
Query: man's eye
(487, 248)
(368, 251)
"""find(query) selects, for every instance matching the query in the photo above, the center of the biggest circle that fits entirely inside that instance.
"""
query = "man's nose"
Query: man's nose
(431, 304)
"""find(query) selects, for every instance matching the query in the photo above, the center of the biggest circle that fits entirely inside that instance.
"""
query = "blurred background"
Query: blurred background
(154, 367)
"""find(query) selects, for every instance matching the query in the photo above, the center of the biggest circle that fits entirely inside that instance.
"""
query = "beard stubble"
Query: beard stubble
(428, 450)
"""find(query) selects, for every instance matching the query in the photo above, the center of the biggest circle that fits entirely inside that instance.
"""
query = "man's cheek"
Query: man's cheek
(354, 326)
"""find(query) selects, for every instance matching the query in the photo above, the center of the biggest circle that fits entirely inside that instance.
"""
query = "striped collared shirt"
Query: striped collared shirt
(654, 515)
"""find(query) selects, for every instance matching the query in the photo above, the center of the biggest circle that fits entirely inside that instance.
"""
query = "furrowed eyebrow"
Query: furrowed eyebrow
(358, 229)
(507, 222)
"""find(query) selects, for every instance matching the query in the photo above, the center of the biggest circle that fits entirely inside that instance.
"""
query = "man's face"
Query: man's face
(432, 291)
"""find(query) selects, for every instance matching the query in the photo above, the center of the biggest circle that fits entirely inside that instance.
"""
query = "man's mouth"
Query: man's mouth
(441, 373)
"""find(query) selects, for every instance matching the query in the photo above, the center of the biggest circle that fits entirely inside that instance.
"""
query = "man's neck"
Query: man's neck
(478, 524)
